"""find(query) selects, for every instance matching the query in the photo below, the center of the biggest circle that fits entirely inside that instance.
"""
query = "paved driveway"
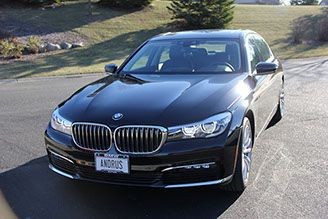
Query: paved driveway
(289, 174)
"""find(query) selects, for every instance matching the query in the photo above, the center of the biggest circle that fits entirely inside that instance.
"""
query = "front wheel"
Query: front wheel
(244, 159)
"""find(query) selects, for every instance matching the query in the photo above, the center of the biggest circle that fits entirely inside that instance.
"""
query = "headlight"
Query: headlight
(213, 126)
(60, 124)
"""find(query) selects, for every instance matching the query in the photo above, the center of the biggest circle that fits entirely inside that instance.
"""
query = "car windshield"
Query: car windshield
(186, 56)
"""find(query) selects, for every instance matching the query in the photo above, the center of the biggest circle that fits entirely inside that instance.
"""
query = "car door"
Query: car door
(266, 92)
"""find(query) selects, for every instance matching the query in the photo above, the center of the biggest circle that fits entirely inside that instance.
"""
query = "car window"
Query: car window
(164, 56)
(186, 56)
(213, 48)
(253, 52)
(142, 60)
(263, 48)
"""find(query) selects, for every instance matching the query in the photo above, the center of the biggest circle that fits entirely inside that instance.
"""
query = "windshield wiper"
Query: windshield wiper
(132, 77)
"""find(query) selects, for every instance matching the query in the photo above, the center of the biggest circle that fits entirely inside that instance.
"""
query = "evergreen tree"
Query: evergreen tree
(202, 14)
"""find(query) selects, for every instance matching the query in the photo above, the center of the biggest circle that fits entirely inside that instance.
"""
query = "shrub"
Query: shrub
(33, 44)
(11, 48)
(126, 3)
(202, 14)
(311, 28)
(38, 2)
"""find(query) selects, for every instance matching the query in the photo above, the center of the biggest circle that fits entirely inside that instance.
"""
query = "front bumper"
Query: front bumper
(184, 163)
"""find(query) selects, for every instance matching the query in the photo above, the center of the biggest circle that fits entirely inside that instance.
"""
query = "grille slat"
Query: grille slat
(95, 136)
(118, 137)
(151, 139)
(123, 137)
(82, 135)
(86, 130)
(127, 139)
(139, 139)
(91, 136)
(106, 137)
(156, 137)
(98, 138)
(132, 139)
(103, 136)
(146, 141)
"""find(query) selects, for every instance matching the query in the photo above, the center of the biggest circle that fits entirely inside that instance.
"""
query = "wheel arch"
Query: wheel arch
(250, 115)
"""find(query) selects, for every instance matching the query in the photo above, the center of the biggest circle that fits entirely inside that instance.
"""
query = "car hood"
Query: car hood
(165, 100)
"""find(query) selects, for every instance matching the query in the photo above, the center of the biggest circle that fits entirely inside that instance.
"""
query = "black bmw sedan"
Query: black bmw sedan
(184, 109)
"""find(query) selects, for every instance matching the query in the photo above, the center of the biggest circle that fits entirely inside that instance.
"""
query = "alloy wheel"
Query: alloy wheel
(247, 145)
(282, 100)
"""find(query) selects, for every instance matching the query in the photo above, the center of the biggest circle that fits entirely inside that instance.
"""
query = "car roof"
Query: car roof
(199, 34)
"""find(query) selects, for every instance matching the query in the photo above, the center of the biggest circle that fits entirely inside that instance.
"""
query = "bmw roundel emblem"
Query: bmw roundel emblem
(117, 116)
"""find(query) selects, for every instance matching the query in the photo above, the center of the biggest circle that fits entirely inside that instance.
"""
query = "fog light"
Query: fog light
(192, 166)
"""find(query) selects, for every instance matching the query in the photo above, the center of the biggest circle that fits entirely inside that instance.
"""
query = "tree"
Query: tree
(126, 3)
(202, 14)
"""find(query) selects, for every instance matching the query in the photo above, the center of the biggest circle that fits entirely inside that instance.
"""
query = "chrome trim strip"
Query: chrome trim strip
(61, 172)
(146, 167)
(90, 123)
(164, 138)
(191, 166)
(207, 183)
(61, 156)
(233, 102)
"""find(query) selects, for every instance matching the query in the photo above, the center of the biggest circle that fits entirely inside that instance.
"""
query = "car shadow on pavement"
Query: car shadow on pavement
(33, 191)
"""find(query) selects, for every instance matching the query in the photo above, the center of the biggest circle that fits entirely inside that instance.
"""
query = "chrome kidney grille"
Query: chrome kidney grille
(91, 136)
(139, 139)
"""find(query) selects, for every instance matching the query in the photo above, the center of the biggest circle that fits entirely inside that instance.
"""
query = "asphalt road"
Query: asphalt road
(289, 175)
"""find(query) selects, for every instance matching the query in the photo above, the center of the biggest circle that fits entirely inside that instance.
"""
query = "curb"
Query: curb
(19, 80)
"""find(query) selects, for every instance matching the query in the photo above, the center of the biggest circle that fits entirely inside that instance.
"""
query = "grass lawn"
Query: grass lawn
(113, 34)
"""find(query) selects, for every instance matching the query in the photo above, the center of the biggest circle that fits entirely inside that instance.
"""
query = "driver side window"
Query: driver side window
(253, 52)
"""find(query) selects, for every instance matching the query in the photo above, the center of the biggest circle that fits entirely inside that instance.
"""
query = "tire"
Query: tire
(244, 159)
(281, 107)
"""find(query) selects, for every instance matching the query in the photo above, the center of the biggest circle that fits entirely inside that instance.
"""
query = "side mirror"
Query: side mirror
(265, 68)
(110, 68)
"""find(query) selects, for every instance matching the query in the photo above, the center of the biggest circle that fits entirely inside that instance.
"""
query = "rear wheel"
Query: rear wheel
(281, 106)
(244, 159)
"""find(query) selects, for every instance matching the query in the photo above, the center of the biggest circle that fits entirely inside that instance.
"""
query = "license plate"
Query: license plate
(112, 163)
